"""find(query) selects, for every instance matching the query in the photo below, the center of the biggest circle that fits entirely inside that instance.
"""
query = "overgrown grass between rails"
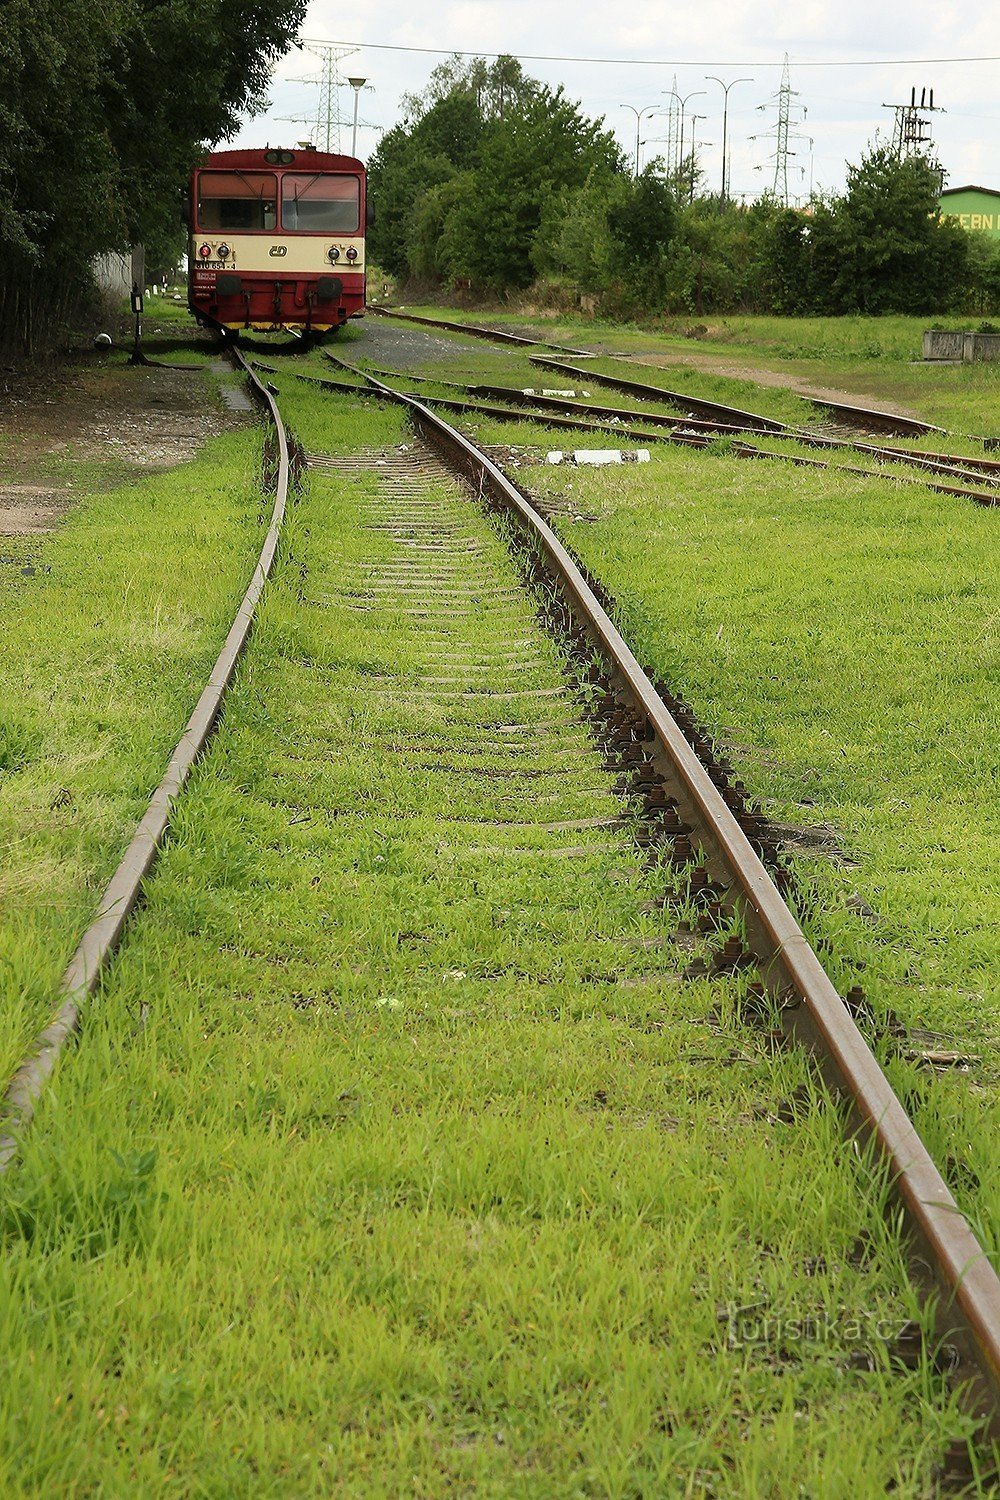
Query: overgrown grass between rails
(839, 635)
(858, 338)
(874, 358)
(471, 363)
(106, 648)
(392, 1161)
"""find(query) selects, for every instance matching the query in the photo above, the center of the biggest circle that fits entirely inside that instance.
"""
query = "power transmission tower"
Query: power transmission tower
(673, 137)
(782, 134)
(327, 120)
(911, 134)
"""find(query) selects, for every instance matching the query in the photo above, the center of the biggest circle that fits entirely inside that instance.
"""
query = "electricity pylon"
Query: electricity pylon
(327, 120)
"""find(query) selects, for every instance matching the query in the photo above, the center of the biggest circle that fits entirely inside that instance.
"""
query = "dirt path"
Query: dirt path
(92, 424)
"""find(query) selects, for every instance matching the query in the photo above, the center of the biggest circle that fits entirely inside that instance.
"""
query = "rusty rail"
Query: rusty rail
(515, 396)
(867, 418)
(687, 433)
(99, 941)
(814, 1014)
(968, 1313)
(871, 421)
(713, 410)
(958, 465)
(475, 330)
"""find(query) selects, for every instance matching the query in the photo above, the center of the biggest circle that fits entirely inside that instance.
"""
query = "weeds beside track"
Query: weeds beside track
(104, 627)
(404, 1126)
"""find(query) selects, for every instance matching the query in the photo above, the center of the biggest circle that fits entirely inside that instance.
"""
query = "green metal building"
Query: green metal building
(975, 208)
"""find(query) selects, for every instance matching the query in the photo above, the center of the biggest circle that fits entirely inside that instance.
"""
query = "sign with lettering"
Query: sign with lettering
(976, 209)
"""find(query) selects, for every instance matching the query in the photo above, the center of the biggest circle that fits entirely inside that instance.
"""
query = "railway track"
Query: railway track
(708, 416)
(98, 943)
(581, 764)
(475, 330)
(652, 427)
(724, 838)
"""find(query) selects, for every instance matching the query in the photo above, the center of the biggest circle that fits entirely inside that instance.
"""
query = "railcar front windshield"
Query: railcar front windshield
(320, 202)
(237, 200)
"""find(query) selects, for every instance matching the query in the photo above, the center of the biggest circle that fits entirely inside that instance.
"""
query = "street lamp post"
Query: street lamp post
(693, 153)
(695, 94)
(357, 84)
(812, 148)
(710, 78)
(640, 114)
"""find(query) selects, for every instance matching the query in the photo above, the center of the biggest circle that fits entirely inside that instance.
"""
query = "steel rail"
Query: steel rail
(752, 421)
(955, 464)
(475, 330)
(518, 397)
(869, 417)
(497, 335)
(865, 417)
(99, 941)
(886, 421)
(983, 465)
(979, 497)
(687, 435)
(505, 414)
(812, 1010)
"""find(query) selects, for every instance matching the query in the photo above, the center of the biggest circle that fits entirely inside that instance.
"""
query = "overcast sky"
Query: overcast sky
(846, 60)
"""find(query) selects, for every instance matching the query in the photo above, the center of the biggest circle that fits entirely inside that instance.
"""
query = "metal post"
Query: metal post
(710, 78)
(640, 114)
(695, 93)
(138, 283)
(357, 84)
(693, 153)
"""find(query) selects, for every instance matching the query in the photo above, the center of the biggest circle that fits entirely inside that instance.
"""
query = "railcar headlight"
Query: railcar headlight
(352, 254)
(204, 251)
(333, 253)
(223, 252)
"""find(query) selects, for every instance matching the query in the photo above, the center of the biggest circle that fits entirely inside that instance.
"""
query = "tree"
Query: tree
(576, 238)
(410, 161)
(517, 145)
(497, 87)
(882, 247)
(533, 154)
(105, 110)
(787, 247)
(646, 221)
(431, 242)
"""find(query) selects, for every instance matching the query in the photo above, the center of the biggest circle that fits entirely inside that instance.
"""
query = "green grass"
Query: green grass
(108, 638)
(874, 358)
(818, 612)
(392, 1160)
(816, 338)
(840, 634)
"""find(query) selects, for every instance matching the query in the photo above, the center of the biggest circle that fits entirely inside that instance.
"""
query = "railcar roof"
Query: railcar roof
(312, 160)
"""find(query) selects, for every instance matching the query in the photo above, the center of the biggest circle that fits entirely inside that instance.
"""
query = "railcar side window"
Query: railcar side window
(321, 202)
(237, 200)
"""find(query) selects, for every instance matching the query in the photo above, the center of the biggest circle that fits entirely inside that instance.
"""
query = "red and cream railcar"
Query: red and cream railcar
(277, 240)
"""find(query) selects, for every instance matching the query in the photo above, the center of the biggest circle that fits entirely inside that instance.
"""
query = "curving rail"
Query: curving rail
(100, 939)
(688, 432)
(867, 419)
(968, 1314)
